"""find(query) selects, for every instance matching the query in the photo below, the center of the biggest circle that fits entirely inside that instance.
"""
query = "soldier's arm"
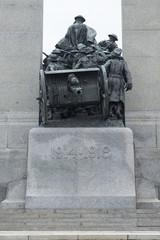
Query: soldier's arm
(127, 77)
(107, 64)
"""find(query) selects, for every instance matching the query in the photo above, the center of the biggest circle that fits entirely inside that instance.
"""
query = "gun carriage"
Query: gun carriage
(74, 89)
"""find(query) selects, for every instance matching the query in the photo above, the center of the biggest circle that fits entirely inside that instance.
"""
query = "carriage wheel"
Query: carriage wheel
(104, 92)
(43, 112)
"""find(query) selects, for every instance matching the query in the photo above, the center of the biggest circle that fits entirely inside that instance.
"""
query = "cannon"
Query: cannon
(74, 89)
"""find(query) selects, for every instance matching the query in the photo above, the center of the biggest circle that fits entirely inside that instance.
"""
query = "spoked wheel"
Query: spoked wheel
(43, 112)
(104, 92)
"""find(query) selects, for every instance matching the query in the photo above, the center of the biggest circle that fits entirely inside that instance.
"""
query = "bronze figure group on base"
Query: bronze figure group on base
(80, 50)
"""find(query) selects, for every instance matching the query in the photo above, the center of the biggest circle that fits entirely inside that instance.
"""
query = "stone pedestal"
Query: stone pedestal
(80, 168)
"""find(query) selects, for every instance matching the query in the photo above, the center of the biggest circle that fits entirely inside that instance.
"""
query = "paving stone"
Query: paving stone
(148, 211)
(13, 237)
(93, 215)
(143, 236)
(104, 236)
(54, 237)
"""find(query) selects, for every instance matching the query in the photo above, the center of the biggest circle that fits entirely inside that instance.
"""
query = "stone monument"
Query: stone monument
(21, 47)
(82, 167)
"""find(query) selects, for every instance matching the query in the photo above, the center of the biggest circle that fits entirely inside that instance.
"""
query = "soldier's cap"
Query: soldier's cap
(56, 51)
(116, 52)
(113, 35)
(52, 57)
(80, 16)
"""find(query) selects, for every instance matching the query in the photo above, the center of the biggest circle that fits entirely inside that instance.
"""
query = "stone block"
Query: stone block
(18, 135)
(13, 165)
(149, 169)
(147, 17)
(143, 43)
(19, 97)
(20, 44)
(80, 168)
(140, 3)
(144, 134)
(52, 236)
(143, 98)
(104, 235)
(142, 72)
(2, 193)
(12, 203)
(144, 235)
(21, 16)
(147, 153)
(158, 135)
(22, 117)
(148, 183)
(145, 189)
(23, 71)
(3, 133)
(80, 211)
(11, 237)
(149, 204)
(142, 222)
(16, 189)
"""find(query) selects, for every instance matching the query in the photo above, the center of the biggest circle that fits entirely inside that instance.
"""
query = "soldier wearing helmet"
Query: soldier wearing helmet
(55, 61)
(119, 78)
(110, 44)
(77, 33)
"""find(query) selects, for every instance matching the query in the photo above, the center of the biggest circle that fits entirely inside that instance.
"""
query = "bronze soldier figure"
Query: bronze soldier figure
(119, 78)
(109, 45)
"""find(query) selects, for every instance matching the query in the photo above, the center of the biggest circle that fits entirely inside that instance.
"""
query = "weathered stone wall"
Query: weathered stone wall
(141, 35)
(20, 47)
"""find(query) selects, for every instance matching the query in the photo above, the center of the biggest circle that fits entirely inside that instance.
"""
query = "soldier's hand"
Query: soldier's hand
(128, 86)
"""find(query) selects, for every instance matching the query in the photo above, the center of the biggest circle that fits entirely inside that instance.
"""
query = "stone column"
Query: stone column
(20, 53)
(141, 35)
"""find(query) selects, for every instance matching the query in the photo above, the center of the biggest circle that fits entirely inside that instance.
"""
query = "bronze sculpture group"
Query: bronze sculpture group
(79, 50)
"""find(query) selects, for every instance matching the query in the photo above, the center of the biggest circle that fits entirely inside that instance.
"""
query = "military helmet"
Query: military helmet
(52, 57)
(56, 51)
(113, 35)
(116, 52)
(80, 16)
